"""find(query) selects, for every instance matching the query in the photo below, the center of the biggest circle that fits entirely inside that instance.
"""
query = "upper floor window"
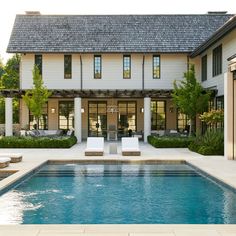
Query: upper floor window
(204, 68)
(97, 67)
(126, 67)
(156, 67)
(217, 61)
(67, 66)
(38, 61)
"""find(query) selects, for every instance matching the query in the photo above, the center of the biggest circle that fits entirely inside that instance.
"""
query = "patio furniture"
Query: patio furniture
(130, 146)
(112, 133)
(113, 148)
(4, 161)
(138, 134)
(15, 157)
(95, 146)
(43, 133)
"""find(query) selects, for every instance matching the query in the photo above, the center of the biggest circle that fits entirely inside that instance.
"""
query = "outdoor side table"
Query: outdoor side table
(113, 148)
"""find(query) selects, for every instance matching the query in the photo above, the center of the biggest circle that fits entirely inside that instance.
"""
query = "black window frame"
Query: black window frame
(217, 61)
(184, 119)
(38, 61)
(94, 67)
(67, 62)
(68, 104)
(204, 68)
(42, 118)
(156, 114)
(153, 67)
(124, 67)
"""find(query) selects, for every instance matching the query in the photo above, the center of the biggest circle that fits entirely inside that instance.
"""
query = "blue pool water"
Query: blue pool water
(118, 194)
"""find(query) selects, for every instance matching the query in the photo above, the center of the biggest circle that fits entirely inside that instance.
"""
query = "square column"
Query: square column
(8, 117)
(147, 118)
(78, 119)
(229, 114)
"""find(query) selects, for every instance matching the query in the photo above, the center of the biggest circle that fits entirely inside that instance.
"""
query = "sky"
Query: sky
(12, 7)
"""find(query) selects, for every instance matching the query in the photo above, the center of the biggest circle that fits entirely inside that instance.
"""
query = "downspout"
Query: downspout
(143, 72)
(187, 62)
(81, 73)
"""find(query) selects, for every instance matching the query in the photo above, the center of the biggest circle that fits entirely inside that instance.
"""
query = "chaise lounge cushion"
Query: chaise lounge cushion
(95, 146)
(15, 157)
(130, 147)
(4, 162)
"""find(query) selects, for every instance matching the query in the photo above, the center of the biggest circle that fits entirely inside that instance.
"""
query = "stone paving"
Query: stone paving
(216, 166)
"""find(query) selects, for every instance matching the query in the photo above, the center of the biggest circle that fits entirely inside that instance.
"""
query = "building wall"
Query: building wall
(228, 49)
(52, 72)
(172, 68)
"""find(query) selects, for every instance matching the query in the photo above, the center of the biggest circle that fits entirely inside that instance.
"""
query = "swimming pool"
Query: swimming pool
(118, 194)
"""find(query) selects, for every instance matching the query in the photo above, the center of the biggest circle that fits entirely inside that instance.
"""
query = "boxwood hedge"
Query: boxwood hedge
(37, 142)
(170, 142)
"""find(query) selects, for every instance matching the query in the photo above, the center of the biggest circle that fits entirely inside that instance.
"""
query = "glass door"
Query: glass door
(97, 119)
(127, 117)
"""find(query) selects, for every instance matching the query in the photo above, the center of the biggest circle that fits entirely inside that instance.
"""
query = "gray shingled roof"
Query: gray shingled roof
(112, 33)
(219, 34)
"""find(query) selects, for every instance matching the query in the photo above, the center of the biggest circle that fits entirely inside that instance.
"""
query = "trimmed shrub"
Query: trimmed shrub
(211, 143)
(169, 142)
(37, 142)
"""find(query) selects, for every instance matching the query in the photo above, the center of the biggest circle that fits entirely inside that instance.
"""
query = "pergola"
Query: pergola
(105, 93)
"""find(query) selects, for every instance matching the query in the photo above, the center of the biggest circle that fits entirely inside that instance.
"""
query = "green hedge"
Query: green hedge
(37, 142)
(169, 142)
(211, 143)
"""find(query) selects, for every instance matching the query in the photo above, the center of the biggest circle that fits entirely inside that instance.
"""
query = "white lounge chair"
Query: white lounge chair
(4, 162)
(15, 157)
(95, 146)
(130, 146)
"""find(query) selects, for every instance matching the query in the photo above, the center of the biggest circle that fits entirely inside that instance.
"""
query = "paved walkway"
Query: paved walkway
(216, 166)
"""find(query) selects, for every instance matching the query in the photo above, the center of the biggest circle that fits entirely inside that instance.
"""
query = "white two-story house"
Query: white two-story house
(117, 70)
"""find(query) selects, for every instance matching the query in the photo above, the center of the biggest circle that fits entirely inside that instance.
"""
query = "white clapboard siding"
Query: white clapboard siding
(172, 68)
(228, 49)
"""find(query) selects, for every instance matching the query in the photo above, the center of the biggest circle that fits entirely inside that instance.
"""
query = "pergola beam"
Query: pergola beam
(72, 93)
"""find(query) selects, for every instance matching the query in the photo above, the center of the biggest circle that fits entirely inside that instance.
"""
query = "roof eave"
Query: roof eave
(97, 52)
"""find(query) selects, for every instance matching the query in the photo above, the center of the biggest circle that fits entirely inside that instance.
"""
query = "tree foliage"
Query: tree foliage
(213, 117)
(10, 77)
(36, 97)
(1, 69)
(189, 96)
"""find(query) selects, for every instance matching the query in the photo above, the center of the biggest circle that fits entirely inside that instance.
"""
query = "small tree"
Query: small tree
(189, 96)
(36, 97)
(10, 76)
(213, 117)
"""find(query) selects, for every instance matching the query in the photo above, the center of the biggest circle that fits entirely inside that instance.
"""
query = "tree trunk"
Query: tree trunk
(190, 128)
(37, 122)
(191, 125)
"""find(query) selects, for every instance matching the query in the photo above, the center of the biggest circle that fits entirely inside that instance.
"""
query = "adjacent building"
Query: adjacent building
(117, 71)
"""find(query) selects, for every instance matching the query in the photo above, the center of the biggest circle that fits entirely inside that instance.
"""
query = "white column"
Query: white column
(228, 116)
(78, 120)
(147, 118)
(8, 117)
